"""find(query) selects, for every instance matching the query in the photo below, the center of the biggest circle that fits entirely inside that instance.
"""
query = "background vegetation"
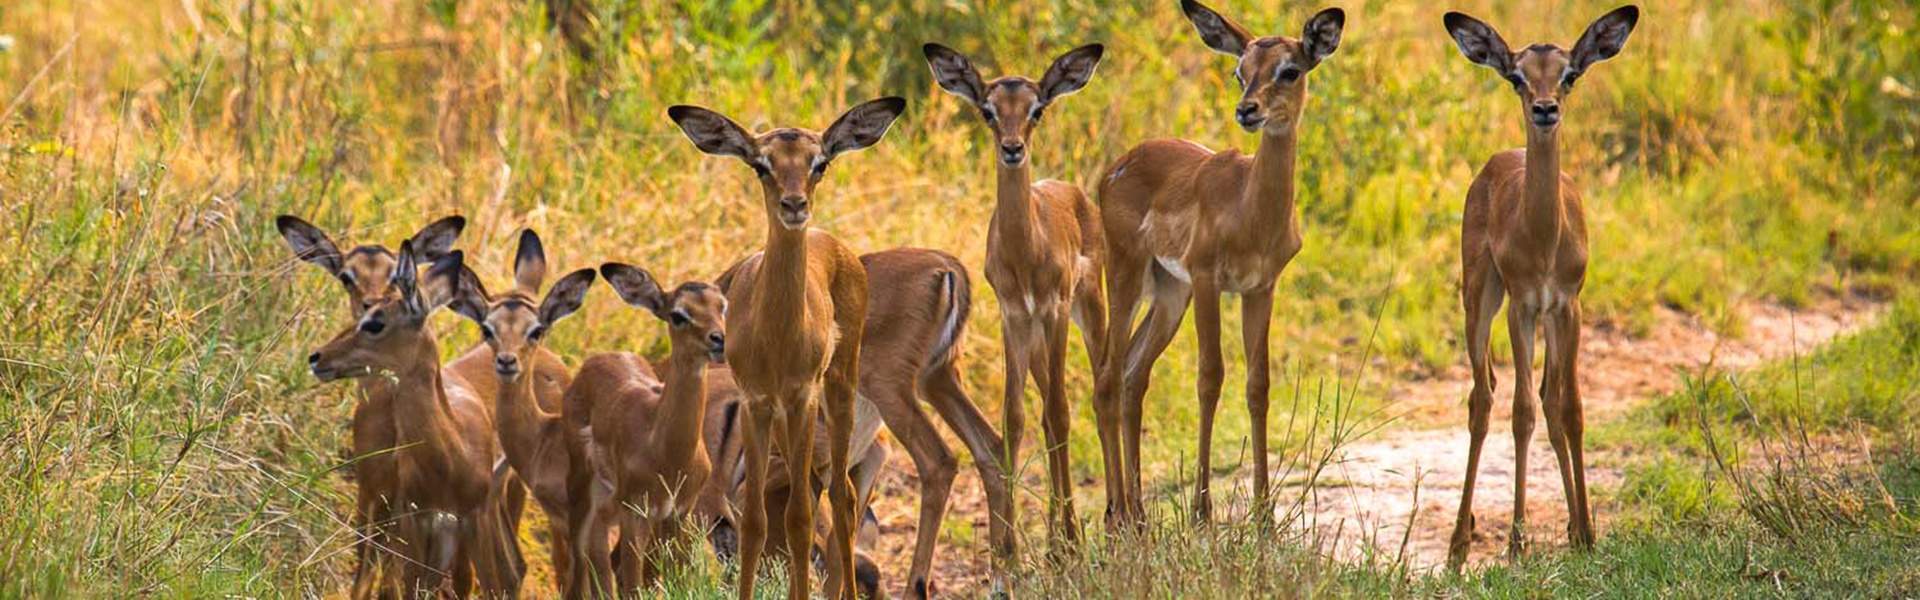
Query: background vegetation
(162, 437)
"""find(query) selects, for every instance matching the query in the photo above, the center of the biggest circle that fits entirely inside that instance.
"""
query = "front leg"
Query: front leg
(757, 437)
(1206, 317)
(841, 385)
(1256, 312)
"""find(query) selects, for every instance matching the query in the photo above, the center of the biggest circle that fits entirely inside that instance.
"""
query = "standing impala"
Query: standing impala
(446, 504)
(1186, 224)
(1525, 237)
(1044, 255)
(796, 327)
(541, 449)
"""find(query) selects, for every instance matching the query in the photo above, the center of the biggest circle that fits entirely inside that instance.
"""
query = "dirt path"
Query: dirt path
(1412, 470)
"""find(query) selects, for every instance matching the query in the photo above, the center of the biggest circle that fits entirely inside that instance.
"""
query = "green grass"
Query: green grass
(162, 438)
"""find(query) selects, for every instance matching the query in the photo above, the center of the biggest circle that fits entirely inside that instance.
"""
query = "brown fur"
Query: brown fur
(1524, 236)
(1186, 224)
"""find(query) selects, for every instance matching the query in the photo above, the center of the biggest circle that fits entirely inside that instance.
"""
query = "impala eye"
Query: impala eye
(1037, 111)
(1514, 78)
(987, 114)
(760, 167)
(534, 333)
(372, 327)
(819, 168)
(678, 319)
(1288, 74)
(486, 332)
(346, 277)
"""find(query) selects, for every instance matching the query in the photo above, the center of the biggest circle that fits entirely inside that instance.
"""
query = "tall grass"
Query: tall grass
(163, 440)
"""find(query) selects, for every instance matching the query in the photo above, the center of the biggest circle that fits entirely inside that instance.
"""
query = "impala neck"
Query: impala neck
(780, 295)
(683, 405)
(1015, 210)
(421, 414)
(519, 418)
(1542, 206)
(1270, 186)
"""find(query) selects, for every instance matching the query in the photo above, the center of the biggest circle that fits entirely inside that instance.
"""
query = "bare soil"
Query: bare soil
(1402, 483)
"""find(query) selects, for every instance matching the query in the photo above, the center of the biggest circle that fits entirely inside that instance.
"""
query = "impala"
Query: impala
(1524, 236)
(541, 449)
(796, 329)
(1186, 224)
(1044, 256)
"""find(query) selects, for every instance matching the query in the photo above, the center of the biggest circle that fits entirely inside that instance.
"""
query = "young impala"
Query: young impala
(1186, 224)
(1524, 236)
(541, 449)
(1044, 256)
(796, 329)
(917, 307)
(449, 511)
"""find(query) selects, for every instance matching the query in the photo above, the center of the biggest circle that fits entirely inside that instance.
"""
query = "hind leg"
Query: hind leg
(1170, 299)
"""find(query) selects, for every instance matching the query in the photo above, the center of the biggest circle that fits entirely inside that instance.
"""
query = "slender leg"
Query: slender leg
(1481, 296)
(1090, 313)
(1170, 299)
(367, 540)
(1013, 413)
(1521, 321)
(797, 451)
(932, 460)
(1054, 422)
(1256, 313)
(1206, 318)
(1575, 415)
(944, 392)
(756, 435)
(842, 380)
(1124, 279)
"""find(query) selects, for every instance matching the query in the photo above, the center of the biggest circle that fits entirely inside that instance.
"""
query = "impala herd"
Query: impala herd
(807, 348)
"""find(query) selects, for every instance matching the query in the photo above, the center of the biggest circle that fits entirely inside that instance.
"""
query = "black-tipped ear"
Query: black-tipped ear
(468, 297)
(437, 238)
(566, 296)
(1603, 39)
(529, 264)
(1479, 42)
(714, 133)
(955, 73)
(1070, 72)
(1322, 34)
(309, 243)
(861, 126)
(1221, 35)
(636, 286)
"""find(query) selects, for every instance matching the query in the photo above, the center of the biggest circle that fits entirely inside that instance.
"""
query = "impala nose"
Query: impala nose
(794, 204)
(1248, 114)
(313, 360)
(506, 363)
(1546, 114)
(1013, 152)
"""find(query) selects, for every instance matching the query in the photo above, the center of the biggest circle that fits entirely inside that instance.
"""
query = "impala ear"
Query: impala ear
(309, 243)
(468, 297)
(1070, 72)
(714, 133)
(529, 264)
(1221, 35)
(437, 238)
(954, 73)
(861, 126)
(1479, 43)
(1322, 34)
(566, 296)
(1603, 39)
(636, 286)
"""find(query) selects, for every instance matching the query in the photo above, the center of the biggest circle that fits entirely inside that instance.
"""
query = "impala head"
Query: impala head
(385, 335)
(788, 161)
(1012, 105)
(514, 324)
(1542, 74)
(1272, 70)
(696, 313)
(366, 269)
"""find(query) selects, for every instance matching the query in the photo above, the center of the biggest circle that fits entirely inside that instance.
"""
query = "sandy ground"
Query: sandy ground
(1410, 472)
